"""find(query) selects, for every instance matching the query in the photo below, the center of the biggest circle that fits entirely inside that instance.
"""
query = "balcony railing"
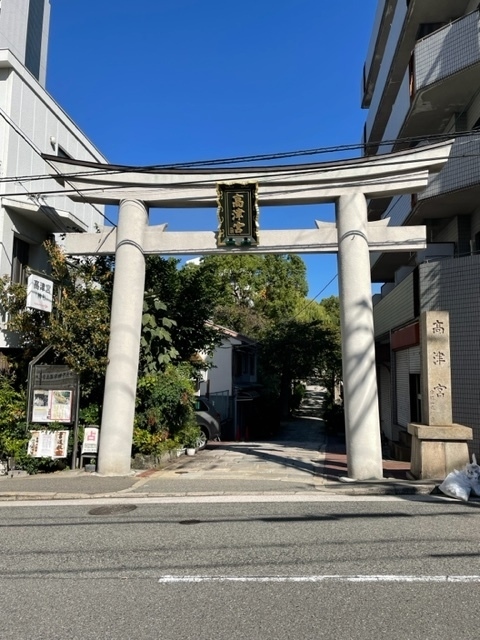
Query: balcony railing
(447, 51)
(461, 171)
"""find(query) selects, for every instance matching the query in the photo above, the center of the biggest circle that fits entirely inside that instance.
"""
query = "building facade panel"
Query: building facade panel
(399, 210)
(398, 115)
(454, 286)
(395, 31)
(31, 114)
(396, 309)
(24, 29)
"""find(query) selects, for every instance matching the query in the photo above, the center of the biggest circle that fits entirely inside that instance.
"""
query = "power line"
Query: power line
(32, 145)
(312, 300)
(100, 169)
(208, 182)
(291, 171)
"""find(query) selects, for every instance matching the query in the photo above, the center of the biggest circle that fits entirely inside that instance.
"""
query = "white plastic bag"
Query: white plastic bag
(456, 485)
(472, 471)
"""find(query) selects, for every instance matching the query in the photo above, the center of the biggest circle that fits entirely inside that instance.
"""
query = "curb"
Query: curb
(384, 489)
(336, 488)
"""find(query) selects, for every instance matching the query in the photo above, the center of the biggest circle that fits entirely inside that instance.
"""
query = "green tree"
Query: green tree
(77, 329)
(178, 304)
(295, 350)
(256, 291)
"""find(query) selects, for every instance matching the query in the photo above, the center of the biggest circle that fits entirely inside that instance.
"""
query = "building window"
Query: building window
(33, 52)
(21, 253)
(61, 153)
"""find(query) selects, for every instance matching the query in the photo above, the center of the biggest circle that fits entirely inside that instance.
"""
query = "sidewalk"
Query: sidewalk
(224, 468)
(301, 460)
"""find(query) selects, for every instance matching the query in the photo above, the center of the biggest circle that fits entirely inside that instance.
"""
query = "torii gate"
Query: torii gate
(348, 184)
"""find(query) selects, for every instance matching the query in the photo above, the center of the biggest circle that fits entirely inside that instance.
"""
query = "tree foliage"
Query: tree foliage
(256, 291)
(156, 342)
(178, 304)
(77, 329)
(296, 350)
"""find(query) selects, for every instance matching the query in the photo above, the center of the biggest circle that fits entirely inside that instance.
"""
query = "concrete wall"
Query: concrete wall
(395, 309)
(220, 376)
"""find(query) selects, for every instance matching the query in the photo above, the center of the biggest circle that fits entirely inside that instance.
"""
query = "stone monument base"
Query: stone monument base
(438, 450)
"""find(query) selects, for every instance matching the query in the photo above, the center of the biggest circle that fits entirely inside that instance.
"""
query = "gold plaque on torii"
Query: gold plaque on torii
(237, 214)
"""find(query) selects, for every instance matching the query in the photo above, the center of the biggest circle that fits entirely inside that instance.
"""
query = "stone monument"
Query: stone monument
(438, 445)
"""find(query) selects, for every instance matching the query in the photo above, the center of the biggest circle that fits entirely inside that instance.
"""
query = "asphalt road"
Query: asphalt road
(362, 568)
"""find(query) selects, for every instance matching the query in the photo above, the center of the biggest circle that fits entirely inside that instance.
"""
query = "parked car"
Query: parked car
(208, 419)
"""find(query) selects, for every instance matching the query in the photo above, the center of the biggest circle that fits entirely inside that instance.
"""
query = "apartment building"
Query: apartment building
(32, 123)
(422, 79)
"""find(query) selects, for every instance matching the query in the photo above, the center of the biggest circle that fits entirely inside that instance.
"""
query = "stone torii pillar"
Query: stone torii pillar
(348, 184)
(124, 348)
(364, 452)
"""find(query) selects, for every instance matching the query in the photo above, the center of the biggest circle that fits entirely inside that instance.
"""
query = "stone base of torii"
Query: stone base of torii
(349, 184)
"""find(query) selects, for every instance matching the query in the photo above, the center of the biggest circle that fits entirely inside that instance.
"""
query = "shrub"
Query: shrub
(189, 435)
(150, 444)
(298, 393)
(13, 433)
(165, 400)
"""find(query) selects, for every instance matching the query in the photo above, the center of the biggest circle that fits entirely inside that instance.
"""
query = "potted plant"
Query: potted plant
(190, 436)
(91, 466)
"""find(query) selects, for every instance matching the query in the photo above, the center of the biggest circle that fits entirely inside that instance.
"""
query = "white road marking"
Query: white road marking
(139, 499)
(169, 579)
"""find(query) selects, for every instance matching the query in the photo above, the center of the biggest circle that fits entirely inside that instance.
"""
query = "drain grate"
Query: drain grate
(112, 509)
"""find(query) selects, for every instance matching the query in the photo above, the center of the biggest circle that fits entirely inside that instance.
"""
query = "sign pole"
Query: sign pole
(75, 425)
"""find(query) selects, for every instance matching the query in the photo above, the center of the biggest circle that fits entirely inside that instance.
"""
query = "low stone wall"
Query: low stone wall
(141, 461)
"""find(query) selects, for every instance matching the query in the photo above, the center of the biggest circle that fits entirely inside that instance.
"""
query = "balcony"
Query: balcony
(446, 71)
(43, 217)
(442, 79)
(393, 268)
(403, 29)
(456, 189)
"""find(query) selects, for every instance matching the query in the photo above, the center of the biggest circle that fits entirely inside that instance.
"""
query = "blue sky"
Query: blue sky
(157, 82)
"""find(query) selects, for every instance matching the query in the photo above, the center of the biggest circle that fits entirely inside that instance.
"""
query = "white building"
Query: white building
(230, 382)
(422, 78)
(32, 123)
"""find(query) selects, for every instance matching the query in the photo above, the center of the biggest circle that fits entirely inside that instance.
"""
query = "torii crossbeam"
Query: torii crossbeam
(348, 184)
